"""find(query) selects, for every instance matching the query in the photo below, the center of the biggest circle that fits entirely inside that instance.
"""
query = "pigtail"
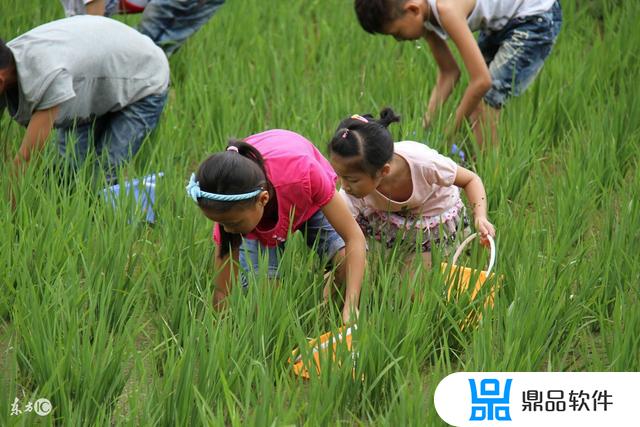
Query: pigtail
(388, 116)
(228, 242)
(248, 151)
(344, 143)
(367, 138)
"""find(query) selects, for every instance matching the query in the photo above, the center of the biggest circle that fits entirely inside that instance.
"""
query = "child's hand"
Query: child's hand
(485, 228)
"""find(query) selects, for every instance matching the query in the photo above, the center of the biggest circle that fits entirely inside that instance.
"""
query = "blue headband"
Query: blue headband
(193, 190)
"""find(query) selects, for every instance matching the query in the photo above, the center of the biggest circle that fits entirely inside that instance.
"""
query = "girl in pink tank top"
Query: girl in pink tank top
(262, 189)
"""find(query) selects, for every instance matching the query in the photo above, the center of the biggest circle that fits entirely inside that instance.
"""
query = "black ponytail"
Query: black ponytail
(232, 172)
(387, 116)
(367, 138)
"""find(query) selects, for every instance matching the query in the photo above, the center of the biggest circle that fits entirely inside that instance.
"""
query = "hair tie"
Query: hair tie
(345, 133)
(359, 117)
(193, 190)
(232, 148)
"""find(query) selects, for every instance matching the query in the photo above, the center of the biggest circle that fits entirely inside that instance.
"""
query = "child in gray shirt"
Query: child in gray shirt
(87, 76)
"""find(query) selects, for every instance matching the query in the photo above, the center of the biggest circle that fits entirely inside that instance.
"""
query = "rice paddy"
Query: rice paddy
(111, 319)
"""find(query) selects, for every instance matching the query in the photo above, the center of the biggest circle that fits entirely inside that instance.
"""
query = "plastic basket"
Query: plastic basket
(459, 280)
(319, 348)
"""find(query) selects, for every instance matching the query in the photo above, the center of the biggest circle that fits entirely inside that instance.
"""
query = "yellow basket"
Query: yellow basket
(319, 348)
(459, 280)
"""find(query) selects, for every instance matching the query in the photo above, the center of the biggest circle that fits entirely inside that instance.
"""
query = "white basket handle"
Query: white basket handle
(492, 257)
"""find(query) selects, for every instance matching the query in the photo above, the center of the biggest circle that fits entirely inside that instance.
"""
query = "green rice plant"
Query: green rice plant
(111, 318)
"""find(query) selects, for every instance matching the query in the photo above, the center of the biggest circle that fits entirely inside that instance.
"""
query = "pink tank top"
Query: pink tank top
(303, 180)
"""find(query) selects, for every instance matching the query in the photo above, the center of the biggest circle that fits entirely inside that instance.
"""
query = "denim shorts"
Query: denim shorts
(515, 54)
(318, 234)
(115, 136)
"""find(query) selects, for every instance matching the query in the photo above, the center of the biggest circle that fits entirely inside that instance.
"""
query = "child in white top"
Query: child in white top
(516, 36)
(403, 189)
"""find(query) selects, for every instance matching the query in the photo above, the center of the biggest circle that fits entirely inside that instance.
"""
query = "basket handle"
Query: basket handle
(492, 257)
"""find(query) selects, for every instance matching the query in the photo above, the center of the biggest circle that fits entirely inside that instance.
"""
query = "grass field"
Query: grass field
(110, 319)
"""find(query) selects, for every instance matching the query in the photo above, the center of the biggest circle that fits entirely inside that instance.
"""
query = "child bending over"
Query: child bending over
(261, 188)
(516, 36)
(404, 189)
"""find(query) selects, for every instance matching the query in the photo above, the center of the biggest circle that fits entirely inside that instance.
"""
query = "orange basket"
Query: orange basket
(459, 280)
(319, 348)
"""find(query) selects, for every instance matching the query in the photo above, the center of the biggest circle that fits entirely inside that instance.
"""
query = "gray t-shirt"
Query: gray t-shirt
(87, 65)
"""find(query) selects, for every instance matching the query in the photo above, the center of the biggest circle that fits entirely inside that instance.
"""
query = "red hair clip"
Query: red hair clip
(359, 117)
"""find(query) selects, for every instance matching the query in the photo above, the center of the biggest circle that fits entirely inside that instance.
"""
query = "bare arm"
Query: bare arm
(448, 74)
(454, 21)
(223, 279)
(95, 7)
(474, 189)
(35, 137)
(340, 218)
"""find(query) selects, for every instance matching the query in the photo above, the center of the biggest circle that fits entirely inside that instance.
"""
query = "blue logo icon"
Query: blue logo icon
(486, 401)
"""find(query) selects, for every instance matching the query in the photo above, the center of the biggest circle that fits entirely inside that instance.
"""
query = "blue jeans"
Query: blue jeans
(317, 230)
(117, 135)
(516, 53)
(169, 23)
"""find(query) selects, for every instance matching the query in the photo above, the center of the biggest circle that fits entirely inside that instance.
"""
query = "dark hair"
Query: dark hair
(6, 56)
(231, 172)
(373, 15)
(371, 141)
